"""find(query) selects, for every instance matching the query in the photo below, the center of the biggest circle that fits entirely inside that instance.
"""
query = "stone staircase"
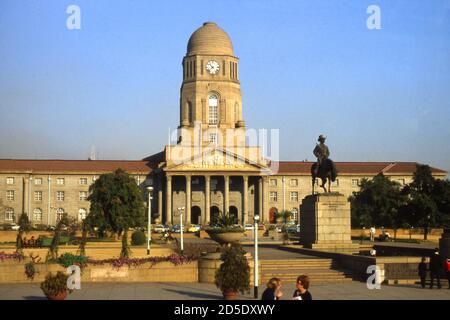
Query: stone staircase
(320, 271)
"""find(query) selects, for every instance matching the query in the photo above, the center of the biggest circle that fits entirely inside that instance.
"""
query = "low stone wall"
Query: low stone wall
(14, 272)
(416, 233)
(96, 251)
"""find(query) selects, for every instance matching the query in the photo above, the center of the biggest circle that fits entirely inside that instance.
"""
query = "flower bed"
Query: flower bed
(16, 256)
(135, 262)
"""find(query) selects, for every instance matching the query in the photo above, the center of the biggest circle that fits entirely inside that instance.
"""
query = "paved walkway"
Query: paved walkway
(201, 291)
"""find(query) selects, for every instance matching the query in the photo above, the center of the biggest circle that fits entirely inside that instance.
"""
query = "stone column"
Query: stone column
(245, 201)
(226, 197)
(265, 197)
(207, 199)
(260, 198)
(169, 199)
(188, 200)
(24, 195)
(160, 198)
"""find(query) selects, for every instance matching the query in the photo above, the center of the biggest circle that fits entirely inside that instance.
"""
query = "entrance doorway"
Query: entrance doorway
(196, 214)
(234, 213)
(214, 214)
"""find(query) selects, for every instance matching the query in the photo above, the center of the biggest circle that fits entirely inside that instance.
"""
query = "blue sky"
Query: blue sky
(383, 95)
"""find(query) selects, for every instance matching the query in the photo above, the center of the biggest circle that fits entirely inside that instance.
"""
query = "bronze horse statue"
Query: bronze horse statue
(326, 172)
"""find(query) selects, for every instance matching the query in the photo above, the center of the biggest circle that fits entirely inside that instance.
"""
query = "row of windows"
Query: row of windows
(355, 182)
(293, 196)
(60, 195)
(38, 214)
(38, 181)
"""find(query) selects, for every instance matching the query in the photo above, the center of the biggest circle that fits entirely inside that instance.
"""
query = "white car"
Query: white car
(248, 227)
(15, 227)
(158, 228)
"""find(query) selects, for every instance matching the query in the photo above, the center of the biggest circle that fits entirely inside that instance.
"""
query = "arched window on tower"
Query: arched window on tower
(213, 103)
(190, 112)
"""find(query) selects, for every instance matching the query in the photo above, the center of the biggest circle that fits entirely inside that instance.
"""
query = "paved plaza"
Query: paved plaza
(200, 291)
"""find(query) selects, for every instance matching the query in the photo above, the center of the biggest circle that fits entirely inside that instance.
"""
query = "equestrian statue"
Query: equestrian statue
(324, 168)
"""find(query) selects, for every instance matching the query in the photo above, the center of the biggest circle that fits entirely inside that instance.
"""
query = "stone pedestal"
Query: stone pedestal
(325, 223)
(444, 244)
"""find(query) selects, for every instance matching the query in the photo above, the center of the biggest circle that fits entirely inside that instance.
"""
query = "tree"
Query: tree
(378, 203)
(63, 223)
(116, 198)
(24, 226)
(429, 200)
(284, 216)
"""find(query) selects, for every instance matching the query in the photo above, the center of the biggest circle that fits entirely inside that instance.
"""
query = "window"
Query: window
(273, 196)
(335, 183)
(37, 214)
(294, 215)
(38, 196)
(59, 214)
(83, 195)
(38, 181)
(355, 182)
(9, 214)
(60, 195)
(82, 213)
(60, 181)
(10, 180)
(190, 112)
(212, 137)
(213, 109)
(294, 182)
(10, 195)
(294, 196)
(273, 182)
(83, 181)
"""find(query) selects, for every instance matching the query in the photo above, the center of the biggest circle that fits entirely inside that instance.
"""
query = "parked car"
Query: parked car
(248, 227)
(293, 229)
(14, 226)
(176, 228)
(159, 228)
(194, 228)
(279, 228)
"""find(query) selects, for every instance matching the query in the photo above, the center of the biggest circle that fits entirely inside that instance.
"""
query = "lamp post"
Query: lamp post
(180, 212)
(149, 226)
(255, 272)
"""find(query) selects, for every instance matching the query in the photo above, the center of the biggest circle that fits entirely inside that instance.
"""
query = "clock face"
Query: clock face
(213, 67)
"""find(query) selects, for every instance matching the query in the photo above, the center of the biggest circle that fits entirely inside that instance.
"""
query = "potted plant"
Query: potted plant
(233, 276)
(55, 286)
(225, 229)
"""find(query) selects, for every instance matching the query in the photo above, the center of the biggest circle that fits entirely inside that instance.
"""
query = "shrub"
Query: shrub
(69, 259)
(138, 238)
(234, 272)
(30, 270)
(55, 284)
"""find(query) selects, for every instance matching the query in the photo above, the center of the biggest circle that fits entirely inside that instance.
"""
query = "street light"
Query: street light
(149, 226)
(255, 272)
(180, 212)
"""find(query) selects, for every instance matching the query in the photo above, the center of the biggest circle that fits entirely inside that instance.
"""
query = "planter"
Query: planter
(229, 295)
(225, 237)
(59, 296)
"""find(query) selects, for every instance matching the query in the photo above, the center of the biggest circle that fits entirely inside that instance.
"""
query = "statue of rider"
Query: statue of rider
(322, 152)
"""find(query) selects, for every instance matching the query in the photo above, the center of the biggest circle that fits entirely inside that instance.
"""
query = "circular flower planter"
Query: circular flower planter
(225, 237)
(229, 295)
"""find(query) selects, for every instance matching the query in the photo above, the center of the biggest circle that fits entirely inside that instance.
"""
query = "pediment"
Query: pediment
(217, 160)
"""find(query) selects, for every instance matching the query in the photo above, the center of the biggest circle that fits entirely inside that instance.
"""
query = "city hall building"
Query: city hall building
(210, 169)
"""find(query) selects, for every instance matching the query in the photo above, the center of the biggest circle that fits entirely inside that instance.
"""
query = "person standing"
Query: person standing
(447, 269)
(423, 272)
(372, 234)
(435, 269)
(302, 292)
(273, 291)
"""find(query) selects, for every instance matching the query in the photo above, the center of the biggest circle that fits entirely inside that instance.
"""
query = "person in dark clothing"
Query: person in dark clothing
(302, 292)
(435, 269)
(273, 291)
(447, 269)
(423, 272)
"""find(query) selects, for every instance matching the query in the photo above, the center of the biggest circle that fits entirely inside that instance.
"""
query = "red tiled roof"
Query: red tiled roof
(93, 166)
(371, 168)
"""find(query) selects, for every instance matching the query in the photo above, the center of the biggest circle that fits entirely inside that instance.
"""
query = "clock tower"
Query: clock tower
(210, 95)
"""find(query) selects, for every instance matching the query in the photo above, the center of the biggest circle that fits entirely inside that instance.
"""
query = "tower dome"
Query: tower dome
(210, 39)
